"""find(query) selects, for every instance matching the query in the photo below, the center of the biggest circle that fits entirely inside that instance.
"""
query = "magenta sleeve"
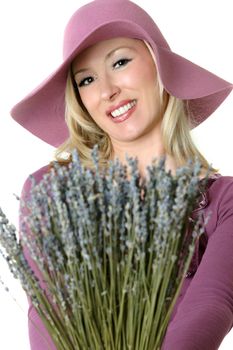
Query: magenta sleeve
(205, 314)
(38, 335)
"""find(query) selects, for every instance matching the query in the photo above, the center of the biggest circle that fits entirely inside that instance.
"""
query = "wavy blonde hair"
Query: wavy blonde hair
(84, 133)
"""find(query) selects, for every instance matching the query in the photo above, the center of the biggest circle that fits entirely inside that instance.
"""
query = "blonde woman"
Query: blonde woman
(122, 87)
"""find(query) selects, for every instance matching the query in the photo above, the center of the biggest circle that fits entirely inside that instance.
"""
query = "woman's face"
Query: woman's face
(117, 83)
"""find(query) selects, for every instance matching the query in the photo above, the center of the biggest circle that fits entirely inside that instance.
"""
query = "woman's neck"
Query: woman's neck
(145, 156)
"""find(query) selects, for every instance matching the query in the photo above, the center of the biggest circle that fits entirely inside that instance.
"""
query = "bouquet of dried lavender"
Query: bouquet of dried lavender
(111, 251)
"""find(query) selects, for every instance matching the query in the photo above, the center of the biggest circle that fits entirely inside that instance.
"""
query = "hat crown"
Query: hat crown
(108, 21)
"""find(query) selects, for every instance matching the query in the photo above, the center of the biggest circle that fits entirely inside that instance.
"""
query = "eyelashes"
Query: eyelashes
(117, 65)
(123, 62)
(85, 81)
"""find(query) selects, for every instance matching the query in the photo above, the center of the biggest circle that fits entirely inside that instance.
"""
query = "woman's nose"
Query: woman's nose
(109, 89)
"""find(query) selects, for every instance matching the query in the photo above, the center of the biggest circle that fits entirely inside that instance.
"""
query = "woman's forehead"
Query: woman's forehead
(106, 48)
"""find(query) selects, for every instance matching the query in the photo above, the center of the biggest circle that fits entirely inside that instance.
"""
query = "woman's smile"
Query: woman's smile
(123, 111)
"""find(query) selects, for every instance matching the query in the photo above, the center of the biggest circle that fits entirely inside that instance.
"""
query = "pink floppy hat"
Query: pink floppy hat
(42, 112)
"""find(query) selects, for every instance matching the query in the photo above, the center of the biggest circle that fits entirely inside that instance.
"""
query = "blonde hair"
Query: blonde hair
(84, 133)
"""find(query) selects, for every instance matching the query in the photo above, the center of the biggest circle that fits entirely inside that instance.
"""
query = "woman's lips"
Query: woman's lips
(123, 116)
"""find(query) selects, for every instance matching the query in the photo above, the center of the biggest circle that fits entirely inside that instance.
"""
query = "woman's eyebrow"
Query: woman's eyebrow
(106, 58)
(117, 48)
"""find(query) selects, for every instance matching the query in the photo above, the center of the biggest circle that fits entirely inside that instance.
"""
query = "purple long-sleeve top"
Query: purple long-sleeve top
(203, 313)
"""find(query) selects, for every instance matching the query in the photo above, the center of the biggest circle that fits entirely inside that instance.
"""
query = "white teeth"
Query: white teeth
(123, 109)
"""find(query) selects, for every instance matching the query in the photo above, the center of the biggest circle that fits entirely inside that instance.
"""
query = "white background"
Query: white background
(31, 45)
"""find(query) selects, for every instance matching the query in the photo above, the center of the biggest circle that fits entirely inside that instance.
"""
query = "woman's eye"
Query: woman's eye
(85, 81)
(122, 62)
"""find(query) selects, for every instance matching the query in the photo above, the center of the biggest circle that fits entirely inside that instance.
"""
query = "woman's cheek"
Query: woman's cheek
(89, 98)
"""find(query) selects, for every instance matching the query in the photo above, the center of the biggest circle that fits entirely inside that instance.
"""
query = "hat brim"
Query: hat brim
(42, 112)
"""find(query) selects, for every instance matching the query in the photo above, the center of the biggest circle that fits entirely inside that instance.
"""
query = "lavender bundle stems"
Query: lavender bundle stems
(111, 261)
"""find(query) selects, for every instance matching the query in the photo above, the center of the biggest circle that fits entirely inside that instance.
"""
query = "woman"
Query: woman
(122, 87)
